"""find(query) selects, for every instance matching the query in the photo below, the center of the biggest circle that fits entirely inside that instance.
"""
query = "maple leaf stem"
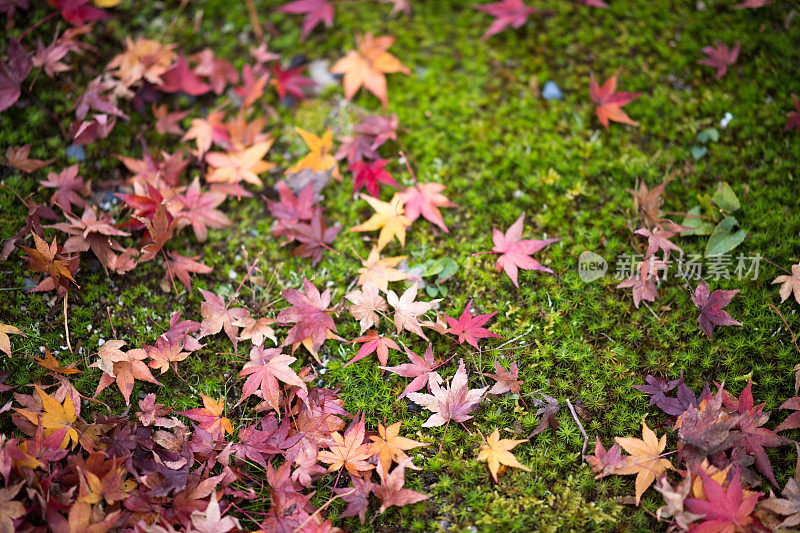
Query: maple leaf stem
(108, 312)
(771, 263)
(580, 426)
(405, 160)
(794, 339)
(441, 444)
(249, 271)
(169, 271)
(651, 310)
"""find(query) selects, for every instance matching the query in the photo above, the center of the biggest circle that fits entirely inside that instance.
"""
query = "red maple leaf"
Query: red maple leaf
(69, 187)
(217, 316)
(210, 416)
(720, 57)
(515, 252)
(453, 402)
(252, 88)
(373, 342)
(425, 199)
(469, 328)
(723, 510)
(265, 368)
(181, 267)
(418, 369)
(513, 13)
(309, 314)
(315, 11)
(369, 175)
(199, 209)
(13, 73)
(179, 78)
(711, 308)
(292, 209)
(793, 117)
(290, 81)
(218, 71)
(610, 101)
(78, 12)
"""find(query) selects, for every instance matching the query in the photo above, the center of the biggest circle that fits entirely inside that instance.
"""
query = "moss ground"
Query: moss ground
(473, 121)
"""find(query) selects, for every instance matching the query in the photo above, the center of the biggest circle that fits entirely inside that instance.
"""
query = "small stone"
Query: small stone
(76, 152)
(551, 91)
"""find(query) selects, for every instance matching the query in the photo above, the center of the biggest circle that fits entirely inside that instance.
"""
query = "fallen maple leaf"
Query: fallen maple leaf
(10, 509)
(210, 416)
(200, 210)
(723, 510)
(122, 367)
(349, 450)
(454, 402)
(257, 331)
(609, 101)
(48, 260)
(380, 271)
(315, 11)
(605, 462)
(720, 57)
(211, 521)
(515, 253)
(160, 229)
(425, 199)
(786, 508)
(645, 459)
(265, 368)
(51, 363)
(793, 117)
(217, 316)
(711, 308)
(17, 157)
(367, 67)
(391, 492)
(219, 72)
(389, 446)
(319, 159)
(407, 311)
(240, 165)
(179, 78)
(143, 59)
(168, 122)
(181, 267)
(389, 218)
(13, 73)
(290, 81)
(469, 328)
(506, 380)
(513, 13)
(419, 369)
(310, 315)
(54, 417)
(367, 303)
(497, 452)
(369, 175)
(790, 284)
(373, 342)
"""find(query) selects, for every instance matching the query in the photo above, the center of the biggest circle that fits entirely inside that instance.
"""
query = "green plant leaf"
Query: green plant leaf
(708, 135)
(723, 239)
(699, 151)
(449, 267)
(725, 198)
(693, 220)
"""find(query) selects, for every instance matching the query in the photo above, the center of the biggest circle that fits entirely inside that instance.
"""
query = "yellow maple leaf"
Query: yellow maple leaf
(5, 342)
(319, 159)
(368, 65)
(380, 271)
(388, 218)
(54, 416)
(645, 460)
(497, 452)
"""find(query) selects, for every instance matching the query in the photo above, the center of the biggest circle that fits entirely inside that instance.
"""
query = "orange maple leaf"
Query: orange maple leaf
(610, 101)
(368, 65)
(389, 217)
(497, 452)
(349, 451)
(239, 165)
(210, 416)
(645, 460)
(390, 446)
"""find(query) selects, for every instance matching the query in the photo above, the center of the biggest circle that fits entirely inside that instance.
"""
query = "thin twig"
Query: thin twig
(254, 22)
(66, 325)
(580, 426)
(794, 339)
